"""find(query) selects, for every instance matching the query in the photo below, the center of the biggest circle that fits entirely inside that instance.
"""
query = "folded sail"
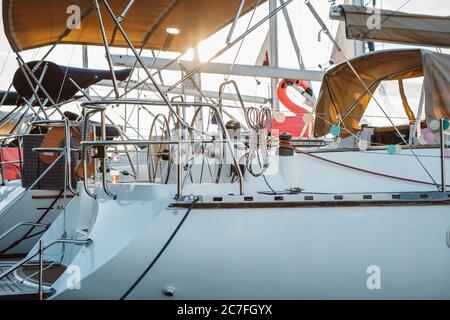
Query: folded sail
(391, 26)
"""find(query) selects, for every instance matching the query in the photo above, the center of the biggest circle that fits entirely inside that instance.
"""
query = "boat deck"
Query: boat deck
(312, 200)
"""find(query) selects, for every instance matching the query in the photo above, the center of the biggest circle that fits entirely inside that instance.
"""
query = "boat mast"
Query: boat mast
(85, 57)
(273, 52)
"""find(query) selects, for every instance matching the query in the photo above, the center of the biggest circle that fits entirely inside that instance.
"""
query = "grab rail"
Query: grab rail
(39, 253)
(8, 137)
(141, 143)
(100, 106)
(443, 139)
(238, 93)
(4, 163)
(87, 116)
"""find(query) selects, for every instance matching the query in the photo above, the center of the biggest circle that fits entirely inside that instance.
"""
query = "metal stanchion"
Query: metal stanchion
(1, 164)
(443, 169)
(41, 267)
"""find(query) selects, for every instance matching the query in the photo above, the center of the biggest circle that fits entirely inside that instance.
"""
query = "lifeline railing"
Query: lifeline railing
(238, 94)
(101, 106)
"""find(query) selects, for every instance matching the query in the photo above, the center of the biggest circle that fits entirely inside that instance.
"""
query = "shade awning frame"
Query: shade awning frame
(343, 94)
(29, 25)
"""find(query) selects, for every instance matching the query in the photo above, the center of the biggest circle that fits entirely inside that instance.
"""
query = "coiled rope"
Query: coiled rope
(260, 122)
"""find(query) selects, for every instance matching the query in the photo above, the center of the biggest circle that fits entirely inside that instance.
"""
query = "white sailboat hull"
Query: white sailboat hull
(338, 244)
(294, 253)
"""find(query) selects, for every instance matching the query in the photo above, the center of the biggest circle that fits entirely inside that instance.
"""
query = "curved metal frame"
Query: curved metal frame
(216, 177)
(153, 169)
(94, 109)
(238, 93)
(101, 106)
(13, 268)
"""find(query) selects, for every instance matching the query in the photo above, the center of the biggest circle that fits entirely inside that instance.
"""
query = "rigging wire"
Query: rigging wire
(65, 74)
(228, 75)
(158, 72)
(242, 41)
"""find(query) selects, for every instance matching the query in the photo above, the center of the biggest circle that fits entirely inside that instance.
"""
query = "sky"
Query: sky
(315, 50)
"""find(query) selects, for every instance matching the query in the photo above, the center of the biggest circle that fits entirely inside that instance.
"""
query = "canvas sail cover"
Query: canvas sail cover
(436, 68)
(398, 27)
(30, 24)
(343, 98)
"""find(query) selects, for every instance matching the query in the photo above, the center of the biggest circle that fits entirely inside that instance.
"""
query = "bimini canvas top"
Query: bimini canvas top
(398, 27)
(343, 96)
(30, 24)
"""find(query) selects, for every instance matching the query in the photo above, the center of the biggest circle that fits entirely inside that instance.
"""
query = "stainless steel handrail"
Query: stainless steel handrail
(4, 163)
(94, 110)
(22, 262)
(8, 137)
(22, 224)
(87, 116)
(41, 270)
(140, 143)
(1, 167)
(52, 123)
(144, 143)
(101, 106)
(68, 152)
(443, 139)
(122, 134)
(238, 93)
